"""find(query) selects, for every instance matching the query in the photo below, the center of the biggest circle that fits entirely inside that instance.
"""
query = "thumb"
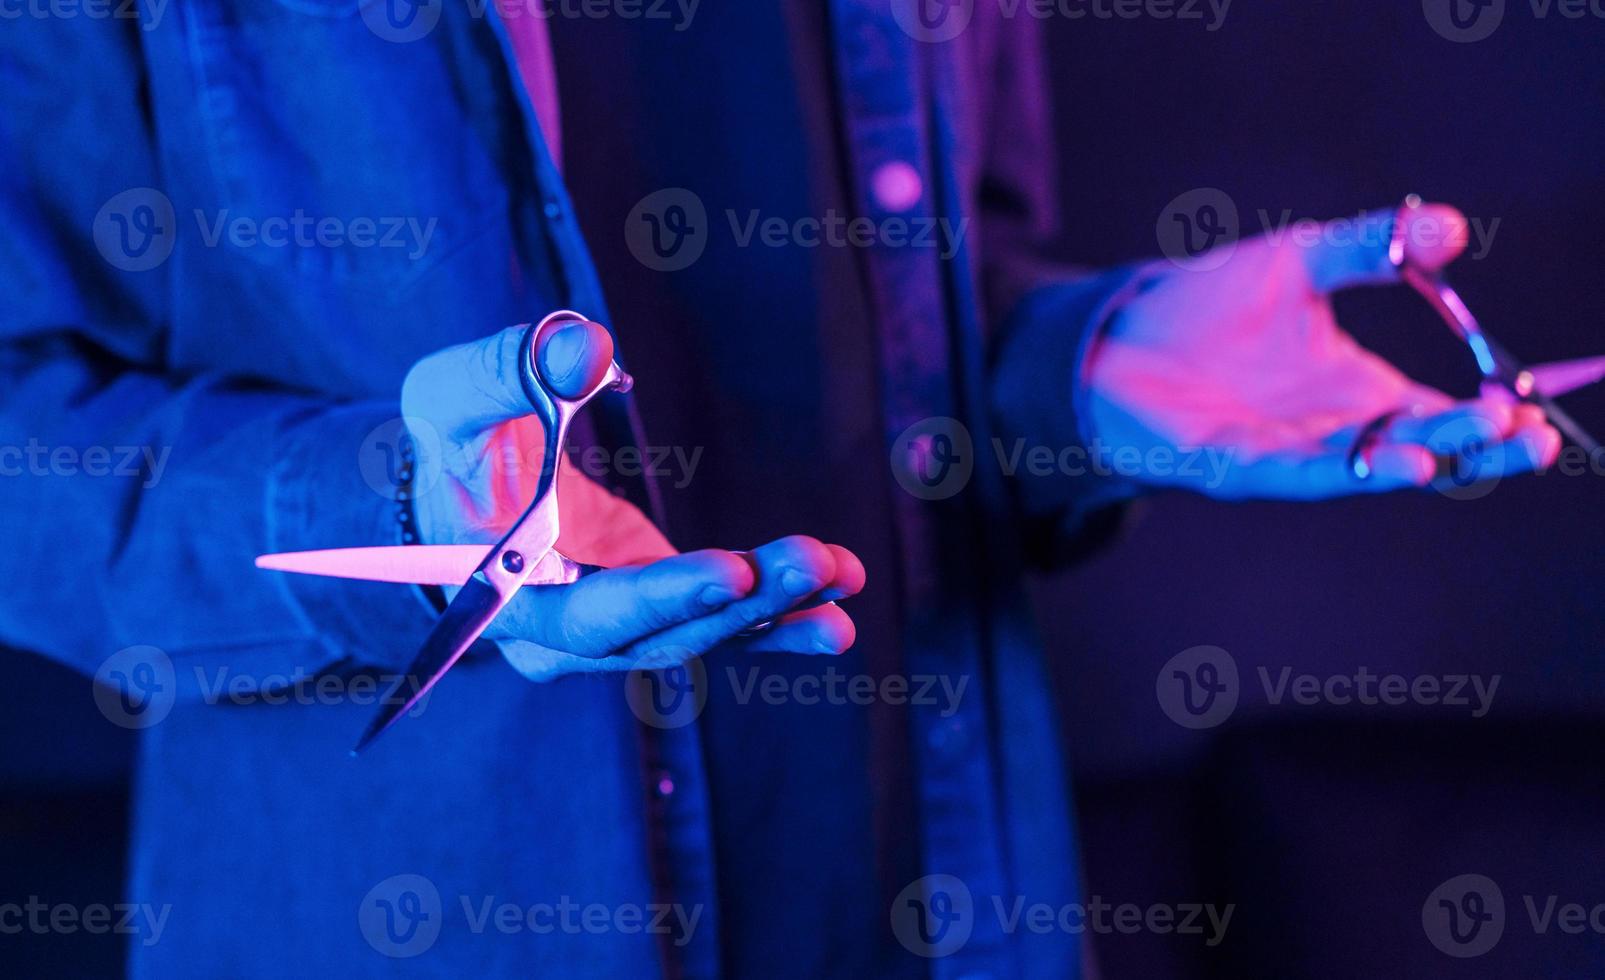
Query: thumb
(465, 390)
(574, 356)
(1355, 251)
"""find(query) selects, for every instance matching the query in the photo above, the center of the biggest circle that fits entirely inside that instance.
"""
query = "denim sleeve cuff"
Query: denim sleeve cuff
(323, 493)
(1039, 400)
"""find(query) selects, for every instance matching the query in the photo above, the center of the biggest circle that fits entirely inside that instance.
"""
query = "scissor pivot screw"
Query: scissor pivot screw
(513, 561)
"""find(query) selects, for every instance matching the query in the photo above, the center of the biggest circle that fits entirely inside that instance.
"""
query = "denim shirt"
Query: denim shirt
(162, 176)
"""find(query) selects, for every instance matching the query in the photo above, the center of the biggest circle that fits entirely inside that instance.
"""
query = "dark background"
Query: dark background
(1327, 827)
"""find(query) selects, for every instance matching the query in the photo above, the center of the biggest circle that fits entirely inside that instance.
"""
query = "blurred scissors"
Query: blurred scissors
(1503, 375)
(489, 575)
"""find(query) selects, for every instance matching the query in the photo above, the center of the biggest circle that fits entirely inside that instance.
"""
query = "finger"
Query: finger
(574, 356)
(1538, 442)
(1354, 251)
(1326, 473)
(1486, 414)
(789, 573)
(849, 577)
(1480, 441)
(1533, 445)
(610, 610)
(823, 629)
(467, 389)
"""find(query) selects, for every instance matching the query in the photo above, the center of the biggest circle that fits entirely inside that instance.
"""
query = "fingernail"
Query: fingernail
(715, 596)
(794, 582)
(1543, 448)
(1404, 464)
(826, 647)
(564, 349)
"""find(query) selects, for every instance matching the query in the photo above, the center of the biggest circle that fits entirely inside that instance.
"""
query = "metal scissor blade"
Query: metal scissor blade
(1564, 377)
(1565, 423)
(456, 630)
(524, 552)
(412, 564)
(1538, 385)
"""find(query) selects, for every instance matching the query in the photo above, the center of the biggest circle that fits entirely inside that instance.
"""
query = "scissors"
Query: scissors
(1503, 376)
(490, 575)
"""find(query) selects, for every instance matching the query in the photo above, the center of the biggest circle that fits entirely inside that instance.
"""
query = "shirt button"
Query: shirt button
(897, 186)
(665, 784)
(553, 210)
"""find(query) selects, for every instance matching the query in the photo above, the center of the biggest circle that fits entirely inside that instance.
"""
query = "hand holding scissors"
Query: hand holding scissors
(1504, 378)
(1245, 361)
(499, 410)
